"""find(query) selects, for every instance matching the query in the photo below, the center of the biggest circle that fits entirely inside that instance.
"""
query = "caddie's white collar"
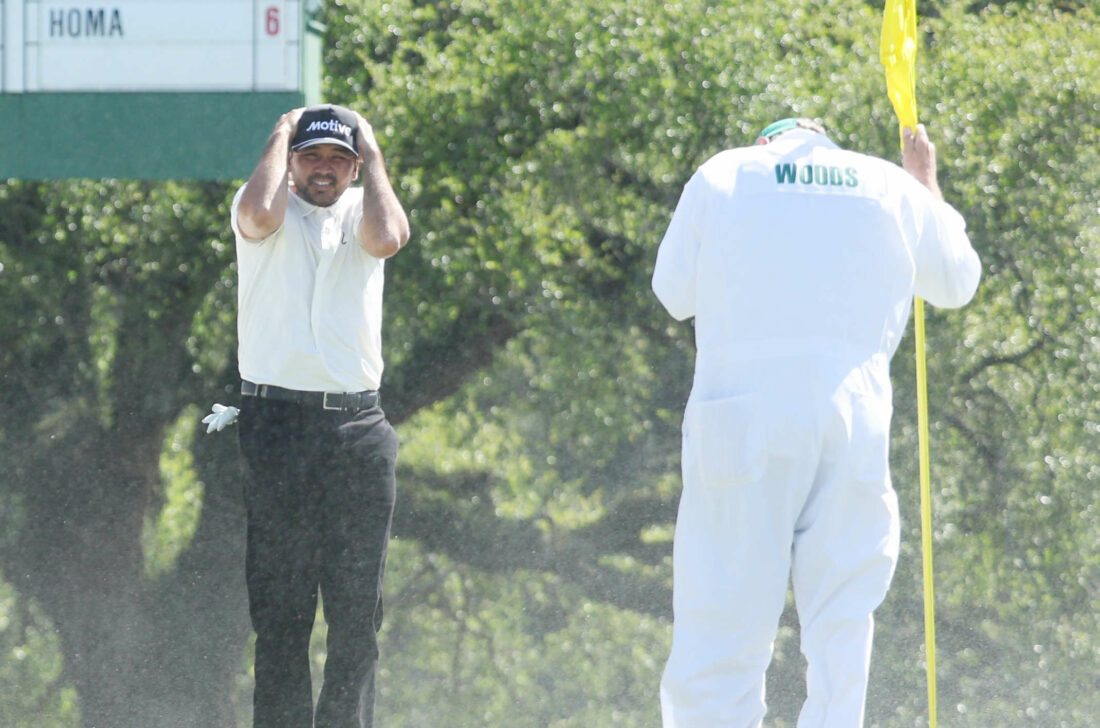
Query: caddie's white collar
(795, 137)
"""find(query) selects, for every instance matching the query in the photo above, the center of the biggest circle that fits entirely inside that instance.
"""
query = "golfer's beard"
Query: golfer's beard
(308, 195)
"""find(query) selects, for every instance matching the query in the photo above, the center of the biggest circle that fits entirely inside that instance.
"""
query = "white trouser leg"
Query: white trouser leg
(731, 562)
(846, 548)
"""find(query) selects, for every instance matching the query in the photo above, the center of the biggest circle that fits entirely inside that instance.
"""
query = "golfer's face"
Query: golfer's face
(321, 173)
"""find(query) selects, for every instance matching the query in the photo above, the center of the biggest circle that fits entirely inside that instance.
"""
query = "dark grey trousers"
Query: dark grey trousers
(319, 493)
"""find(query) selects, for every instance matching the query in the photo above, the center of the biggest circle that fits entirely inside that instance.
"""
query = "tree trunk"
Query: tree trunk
(141, 652)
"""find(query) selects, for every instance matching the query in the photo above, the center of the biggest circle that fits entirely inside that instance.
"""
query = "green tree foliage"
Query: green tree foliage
(32, 662)
(540, 148)
(111, 294)
(1015, 440)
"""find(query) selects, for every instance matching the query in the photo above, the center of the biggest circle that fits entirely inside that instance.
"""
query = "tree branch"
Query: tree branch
(455, 515)
(439, 366)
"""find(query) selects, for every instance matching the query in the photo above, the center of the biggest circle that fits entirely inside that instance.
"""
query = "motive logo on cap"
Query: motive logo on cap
(326, 124)
(332, 125)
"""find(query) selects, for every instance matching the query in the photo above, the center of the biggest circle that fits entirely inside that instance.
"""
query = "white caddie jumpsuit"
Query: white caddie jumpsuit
(799, 261)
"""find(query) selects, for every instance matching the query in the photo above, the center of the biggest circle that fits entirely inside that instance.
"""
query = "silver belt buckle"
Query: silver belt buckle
(325, 404)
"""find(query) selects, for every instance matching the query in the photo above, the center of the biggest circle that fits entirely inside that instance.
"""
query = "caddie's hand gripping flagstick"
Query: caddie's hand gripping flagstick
(898, 53)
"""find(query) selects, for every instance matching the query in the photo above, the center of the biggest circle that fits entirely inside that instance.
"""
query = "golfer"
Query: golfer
(317, 451)
(798, 261)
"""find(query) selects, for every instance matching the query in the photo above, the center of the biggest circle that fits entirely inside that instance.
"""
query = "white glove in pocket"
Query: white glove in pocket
(221, 417)
(727, 439)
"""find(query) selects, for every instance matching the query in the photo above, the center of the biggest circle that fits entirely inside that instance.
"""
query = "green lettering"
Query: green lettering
(784, 173)
(818, 174)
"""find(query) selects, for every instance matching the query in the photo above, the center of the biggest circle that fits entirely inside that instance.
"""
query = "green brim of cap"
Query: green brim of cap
(778, 128)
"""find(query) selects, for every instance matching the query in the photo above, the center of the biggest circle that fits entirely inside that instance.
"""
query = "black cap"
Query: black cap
(326, 124)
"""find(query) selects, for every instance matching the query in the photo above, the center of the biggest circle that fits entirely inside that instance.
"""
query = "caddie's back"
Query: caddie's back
(817, 244)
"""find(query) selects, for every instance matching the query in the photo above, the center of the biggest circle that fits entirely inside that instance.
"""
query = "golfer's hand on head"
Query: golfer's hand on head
(918, 157)
(365, 139)
(289, 121)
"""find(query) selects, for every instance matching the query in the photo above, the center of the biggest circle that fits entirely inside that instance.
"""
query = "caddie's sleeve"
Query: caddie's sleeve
(674, 272)
(947, 268)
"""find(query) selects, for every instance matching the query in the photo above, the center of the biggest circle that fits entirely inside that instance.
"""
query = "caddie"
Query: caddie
(317, 451)
(798, 261)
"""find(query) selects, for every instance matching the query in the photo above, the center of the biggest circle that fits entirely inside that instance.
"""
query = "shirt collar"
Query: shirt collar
(796, 137)
(308, 208)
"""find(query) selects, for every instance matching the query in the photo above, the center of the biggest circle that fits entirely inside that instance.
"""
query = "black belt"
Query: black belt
(338, 401)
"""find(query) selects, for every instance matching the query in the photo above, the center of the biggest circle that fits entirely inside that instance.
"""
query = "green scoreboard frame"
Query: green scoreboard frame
(149, 135)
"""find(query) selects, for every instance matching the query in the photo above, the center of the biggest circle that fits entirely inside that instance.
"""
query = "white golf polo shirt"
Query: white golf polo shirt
(310, 300)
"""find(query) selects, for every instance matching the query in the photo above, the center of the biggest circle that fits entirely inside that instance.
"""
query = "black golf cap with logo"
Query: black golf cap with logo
(326, 124)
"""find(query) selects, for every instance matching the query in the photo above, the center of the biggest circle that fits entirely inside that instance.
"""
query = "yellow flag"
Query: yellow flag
(898, 53)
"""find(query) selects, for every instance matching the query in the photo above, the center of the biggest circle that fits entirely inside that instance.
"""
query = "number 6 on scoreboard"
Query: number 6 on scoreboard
(271, 20)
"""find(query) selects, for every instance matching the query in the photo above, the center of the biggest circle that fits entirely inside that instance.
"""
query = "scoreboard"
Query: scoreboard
(146, 45)
(207, 78)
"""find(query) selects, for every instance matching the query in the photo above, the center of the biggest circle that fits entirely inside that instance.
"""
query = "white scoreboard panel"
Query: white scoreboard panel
(56, 46)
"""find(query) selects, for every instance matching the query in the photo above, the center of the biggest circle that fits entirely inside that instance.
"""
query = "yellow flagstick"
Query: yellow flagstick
(898, 53)
(925, 509)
